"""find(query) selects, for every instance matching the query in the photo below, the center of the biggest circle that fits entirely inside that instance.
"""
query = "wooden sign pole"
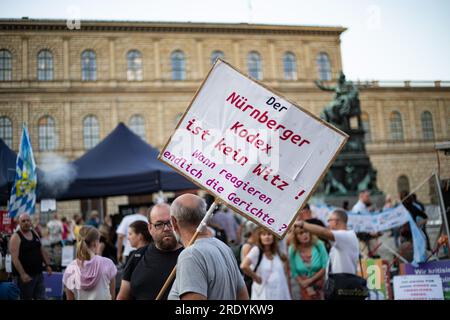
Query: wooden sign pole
(200, 228)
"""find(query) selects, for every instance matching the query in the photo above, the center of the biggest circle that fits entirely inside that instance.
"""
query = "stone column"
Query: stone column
(382, 133)
(67, 128)
(156, 59)
(307, 70)
(200, 61)
(66, 59)
(273, 72)
(24, 59)
(112, 60)
(114, 113)
(441, 116)
(338, 55)
(415, 132)
(236, 51)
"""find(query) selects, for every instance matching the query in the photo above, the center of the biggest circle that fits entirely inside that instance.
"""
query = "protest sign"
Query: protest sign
(377, 221)
(441, 268)
(6, 223)
(48, 205)
(68, 254)
(376, 272)
(255, 151)
(418, 287)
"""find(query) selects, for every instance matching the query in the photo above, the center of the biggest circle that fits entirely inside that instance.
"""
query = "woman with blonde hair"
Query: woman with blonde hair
(89, 276)
(308, 260)
(268, 268)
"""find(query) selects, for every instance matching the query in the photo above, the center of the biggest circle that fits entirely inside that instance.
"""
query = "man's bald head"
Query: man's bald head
(24, 216)
(188, 209)
(157, 210)
(25, 222)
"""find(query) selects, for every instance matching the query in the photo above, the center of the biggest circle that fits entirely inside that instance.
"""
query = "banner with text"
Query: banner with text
(418, 287)
(441, 268)
(368, 222)
(258, 153)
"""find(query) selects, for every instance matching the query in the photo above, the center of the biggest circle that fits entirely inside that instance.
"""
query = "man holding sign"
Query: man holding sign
(253, 150)
(207, 269)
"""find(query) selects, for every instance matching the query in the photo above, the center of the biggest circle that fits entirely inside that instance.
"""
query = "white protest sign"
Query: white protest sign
(68, 254)
(418, 287)
(369, 222)
(48, 205)
(258, 153)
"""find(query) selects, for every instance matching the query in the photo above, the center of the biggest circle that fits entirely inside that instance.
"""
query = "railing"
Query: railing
(402, 84)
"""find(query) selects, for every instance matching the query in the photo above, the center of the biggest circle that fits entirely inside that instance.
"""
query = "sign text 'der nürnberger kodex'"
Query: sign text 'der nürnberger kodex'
(258, 153)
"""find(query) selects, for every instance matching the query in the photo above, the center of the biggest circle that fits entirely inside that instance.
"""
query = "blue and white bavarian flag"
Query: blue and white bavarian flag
(23, 192)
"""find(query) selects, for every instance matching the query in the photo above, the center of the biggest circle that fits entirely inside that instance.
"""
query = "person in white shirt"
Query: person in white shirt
(55, 229)
(369, 241)
(344, 252)
(122, 233)
(363, 204)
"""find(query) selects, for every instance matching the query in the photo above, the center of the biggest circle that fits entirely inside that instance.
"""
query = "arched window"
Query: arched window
(324, 66)
(290, 66)
(427, 125)
(215, 55)
(6, 131)
(403, 184)
(396, 126)
(45, 65)
(178, 65)
(134, 60)
(254, 65)
(47, 134)
(5, 65)
(91, 131)
(88, 65)
(366, 126)
(137, 125)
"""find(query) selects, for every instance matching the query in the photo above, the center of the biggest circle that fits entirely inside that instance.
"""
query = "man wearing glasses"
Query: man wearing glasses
(149, 267)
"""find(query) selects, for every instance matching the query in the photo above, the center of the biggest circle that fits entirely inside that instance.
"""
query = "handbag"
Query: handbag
(345, 286)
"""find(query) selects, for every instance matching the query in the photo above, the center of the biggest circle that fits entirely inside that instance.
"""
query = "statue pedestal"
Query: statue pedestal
(352, 171)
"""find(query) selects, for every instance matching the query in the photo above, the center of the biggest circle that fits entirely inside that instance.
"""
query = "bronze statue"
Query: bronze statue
(344, 105)
(352, 170)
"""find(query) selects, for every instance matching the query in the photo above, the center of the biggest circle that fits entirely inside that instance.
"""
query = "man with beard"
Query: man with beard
(149, 267)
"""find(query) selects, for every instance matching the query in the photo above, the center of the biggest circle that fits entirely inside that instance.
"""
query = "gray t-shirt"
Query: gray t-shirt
(209, 268)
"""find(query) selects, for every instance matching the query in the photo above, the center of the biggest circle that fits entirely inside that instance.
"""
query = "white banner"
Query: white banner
(418, 287)
(68, 255)
(257, 152)
(374, 222)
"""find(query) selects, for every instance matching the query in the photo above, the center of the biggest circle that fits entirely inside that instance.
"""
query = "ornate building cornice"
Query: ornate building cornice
(166, 27)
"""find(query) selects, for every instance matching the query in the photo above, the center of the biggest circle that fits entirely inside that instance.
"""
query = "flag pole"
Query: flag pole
(200, 228)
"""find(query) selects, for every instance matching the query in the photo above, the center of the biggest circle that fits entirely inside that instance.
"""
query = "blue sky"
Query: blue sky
(385, 40)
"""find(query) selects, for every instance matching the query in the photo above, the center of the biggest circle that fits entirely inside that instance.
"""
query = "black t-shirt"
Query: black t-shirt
(147, 270)
(109, 251)
(30, 255)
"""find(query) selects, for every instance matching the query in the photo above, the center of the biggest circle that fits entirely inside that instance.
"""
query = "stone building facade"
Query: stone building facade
(73, 86)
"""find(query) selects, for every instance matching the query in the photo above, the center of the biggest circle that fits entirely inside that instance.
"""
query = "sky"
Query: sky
(385, 40)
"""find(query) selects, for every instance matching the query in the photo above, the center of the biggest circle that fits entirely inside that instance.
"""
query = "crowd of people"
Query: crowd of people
(231, 258)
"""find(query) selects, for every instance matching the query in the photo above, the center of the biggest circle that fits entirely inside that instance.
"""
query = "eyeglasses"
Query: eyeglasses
(161, 225)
